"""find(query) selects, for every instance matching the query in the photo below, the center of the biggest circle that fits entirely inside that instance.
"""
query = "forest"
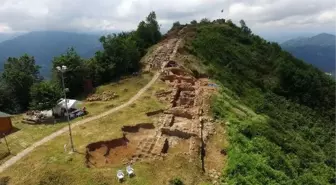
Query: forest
(23, 88)
(292, 138)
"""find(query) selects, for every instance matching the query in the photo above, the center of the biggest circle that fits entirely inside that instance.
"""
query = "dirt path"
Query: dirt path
(23, 153)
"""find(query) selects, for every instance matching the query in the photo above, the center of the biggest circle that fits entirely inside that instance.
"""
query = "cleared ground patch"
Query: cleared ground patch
(179, 110)
(49, 164)
(27, 134)
(117, 151)
(52, 155)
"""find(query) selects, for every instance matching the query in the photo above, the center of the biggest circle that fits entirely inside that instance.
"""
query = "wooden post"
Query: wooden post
(6, 142)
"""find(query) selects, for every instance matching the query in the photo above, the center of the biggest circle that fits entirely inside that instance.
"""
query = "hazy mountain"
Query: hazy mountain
(8, 36)
(45, 45)
(318, 50)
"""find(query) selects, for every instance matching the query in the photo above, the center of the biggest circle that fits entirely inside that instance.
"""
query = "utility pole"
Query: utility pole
(6, 142)
(62, 69)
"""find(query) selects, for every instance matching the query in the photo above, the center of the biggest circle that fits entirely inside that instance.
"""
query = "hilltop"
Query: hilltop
(45, 45)
(292, 130)
(318, 50)
(269, 118)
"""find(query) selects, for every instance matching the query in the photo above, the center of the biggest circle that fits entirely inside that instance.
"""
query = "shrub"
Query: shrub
(176, 181)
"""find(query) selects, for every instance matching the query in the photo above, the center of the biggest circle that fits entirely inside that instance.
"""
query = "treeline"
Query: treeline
(293, 139)
(23, 88)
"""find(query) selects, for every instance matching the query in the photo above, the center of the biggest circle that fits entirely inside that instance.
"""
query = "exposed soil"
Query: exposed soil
(177, 133)
(105, 156)
(29, 149)
(165, 147)
(185, 124)
(117, 151)
(137, 127)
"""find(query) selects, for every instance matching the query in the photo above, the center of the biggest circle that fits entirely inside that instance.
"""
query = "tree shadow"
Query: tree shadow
(4, 155)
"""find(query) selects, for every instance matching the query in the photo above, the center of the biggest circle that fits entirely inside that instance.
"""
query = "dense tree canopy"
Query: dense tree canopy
(148, 32)
(122, 52)
(44, 95)
(19, 75)
(74, 75)
(20, 85)
(120, 56)
(8, 101)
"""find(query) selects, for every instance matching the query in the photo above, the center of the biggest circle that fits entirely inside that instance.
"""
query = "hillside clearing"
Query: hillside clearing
(181, 146)
(71, 169)
(28, 134)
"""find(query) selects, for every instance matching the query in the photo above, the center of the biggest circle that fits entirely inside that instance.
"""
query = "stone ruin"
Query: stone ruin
(186, 120)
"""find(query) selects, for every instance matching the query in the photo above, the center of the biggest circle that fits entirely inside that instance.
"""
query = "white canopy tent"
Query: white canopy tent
(71, 103)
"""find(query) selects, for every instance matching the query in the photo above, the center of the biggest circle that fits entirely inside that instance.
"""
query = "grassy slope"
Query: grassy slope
(275, 138)
(28, 134)
(50, 158)
(49, 164)
(289, 139)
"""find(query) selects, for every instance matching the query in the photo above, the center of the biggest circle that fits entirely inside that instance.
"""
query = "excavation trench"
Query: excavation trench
(179, 112)
(177, 133)
(137, 127)
(176, 96)
(98, 152)
(165, 146)
(117, 151)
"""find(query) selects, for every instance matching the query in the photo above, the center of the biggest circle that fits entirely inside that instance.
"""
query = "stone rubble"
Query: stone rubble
(187, 114)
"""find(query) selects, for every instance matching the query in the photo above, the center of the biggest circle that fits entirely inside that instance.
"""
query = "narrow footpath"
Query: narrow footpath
(26, 151)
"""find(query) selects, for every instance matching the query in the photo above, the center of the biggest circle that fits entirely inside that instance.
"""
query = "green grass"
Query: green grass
(49, 164)
(288, 135)
(28, 134)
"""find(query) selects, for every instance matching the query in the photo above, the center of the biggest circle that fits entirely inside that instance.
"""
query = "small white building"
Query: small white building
(60, 108)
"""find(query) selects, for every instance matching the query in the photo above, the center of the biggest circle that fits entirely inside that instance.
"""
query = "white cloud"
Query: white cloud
(89, 15)
(327, 16)
(4, 28)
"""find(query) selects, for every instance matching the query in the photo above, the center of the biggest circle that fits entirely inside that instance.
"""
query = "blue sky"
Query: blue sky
(269, 18)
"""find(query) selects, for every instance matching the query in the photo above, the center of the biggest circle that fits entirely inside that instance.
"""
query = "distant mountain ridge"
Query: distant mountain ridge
(45, 45)
(323, 39)
(318, 50)
(8, 36)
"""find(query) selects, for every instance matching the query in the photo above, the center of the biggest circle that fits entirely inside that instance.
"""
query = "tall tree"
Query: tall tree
(154, 27)
(20, 74)
(8, 101)
(74, 75)
(193, 22)
(205, 21)
(120, 56)
(44, 95)
(176, 24)
(149, 31)
(244, 27)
